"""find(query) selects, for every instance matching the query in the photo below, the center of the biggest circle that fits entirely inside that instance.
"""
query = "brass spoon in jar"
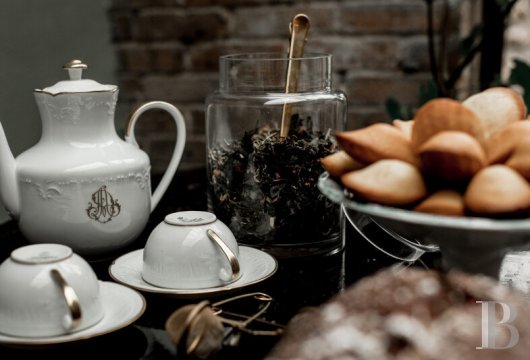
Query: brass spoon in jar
(299, 27)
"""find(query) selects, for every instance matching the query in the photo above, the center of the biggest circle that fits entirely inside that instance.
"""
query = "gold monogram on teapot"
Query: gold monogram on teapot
(104, 206)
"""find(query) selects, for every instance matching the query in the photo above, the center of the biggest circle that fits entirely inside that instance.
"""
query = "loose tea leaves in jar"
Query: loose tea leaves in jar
(264, 186)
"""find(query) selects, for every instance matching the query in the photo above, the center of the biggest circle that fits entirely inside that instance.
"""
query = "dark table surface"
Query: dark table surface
(298, 283)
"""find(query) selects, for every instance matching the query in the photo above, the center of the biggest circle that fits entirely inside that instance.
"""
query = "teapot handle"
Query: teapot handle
(177, 151)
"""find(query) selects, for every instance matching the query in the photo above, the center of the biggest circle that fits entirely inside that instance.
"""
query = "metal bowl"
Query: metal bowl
(471, 244)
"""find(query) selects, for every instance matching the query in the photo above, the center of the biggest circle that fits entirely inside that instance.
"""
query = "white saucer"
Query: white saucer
(122, 306)
(256, 266)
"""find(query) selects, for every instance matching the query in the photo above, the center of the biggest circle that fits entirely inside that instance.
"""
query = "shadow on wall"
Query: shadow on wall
(37, 38)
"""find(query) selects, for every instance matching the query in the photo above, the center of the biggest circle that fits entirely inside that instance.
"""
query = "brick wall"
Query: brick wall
(168, 50)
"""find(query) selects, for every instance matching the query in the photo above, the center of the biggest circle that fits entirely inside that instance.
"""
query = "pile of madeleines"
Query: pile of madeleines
(468, 158)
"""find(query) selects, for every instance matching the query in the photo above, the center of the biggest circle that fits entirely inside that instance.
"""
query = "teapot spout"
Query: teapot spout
(9, 194)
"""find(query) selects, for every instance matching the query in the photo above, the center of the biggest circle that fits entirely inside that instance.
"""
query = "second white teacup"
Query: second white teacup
(191, 250)
(47, 290)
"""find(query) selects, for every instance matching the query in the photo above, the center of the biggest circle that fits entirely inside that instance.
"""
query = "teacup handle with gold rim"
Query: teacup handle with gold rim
(72, 301)
(177, 151)
(232, 258)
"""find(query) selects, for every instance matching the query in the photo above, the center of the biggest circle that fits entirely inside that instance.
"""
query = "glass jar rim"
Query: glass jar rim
(273, 56)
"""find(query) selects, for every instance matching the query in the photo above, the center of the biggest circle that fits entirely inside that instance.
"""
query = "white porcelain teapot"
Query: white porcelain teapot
(81, 185)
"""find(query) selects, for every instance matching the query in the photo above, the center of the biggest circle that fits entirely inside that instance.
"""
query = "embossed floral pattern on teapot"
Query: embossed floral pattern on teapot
(81, 185)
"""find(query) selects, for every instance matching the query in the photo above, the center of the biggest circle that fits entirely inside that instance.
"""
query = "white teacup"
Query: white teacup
(47, 290)
(191, 250)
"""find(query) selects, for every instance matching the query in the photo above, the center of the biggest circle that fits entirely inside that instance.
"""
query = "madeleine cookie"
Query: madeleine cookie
(388, 182)
(500, 146)
(405, 126)
(444, 114)
(340, 163)
(443, 202)
(498, 191)
(520, 159)
(451, 156)
(376, 142)
(496, 108)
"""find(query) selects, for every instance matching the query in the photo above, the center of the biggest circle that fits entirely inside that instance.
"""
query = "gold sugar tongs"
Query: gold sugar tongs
(197, 329)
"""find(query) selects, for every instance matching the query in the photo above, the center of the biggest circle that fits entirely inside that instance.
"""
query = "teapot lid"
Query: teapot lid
(76, 84)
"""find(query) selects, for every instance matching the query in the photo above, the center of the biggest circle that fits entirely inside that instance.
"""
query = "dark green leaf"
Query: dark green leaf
(520, 75)
(428, 92)
(469, 41)
(505, 6)
(395, 110)
(392, 108)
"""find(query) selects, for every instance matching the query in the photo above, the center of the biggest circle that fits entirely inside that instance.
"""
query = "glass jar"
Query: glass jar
(263, 183)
